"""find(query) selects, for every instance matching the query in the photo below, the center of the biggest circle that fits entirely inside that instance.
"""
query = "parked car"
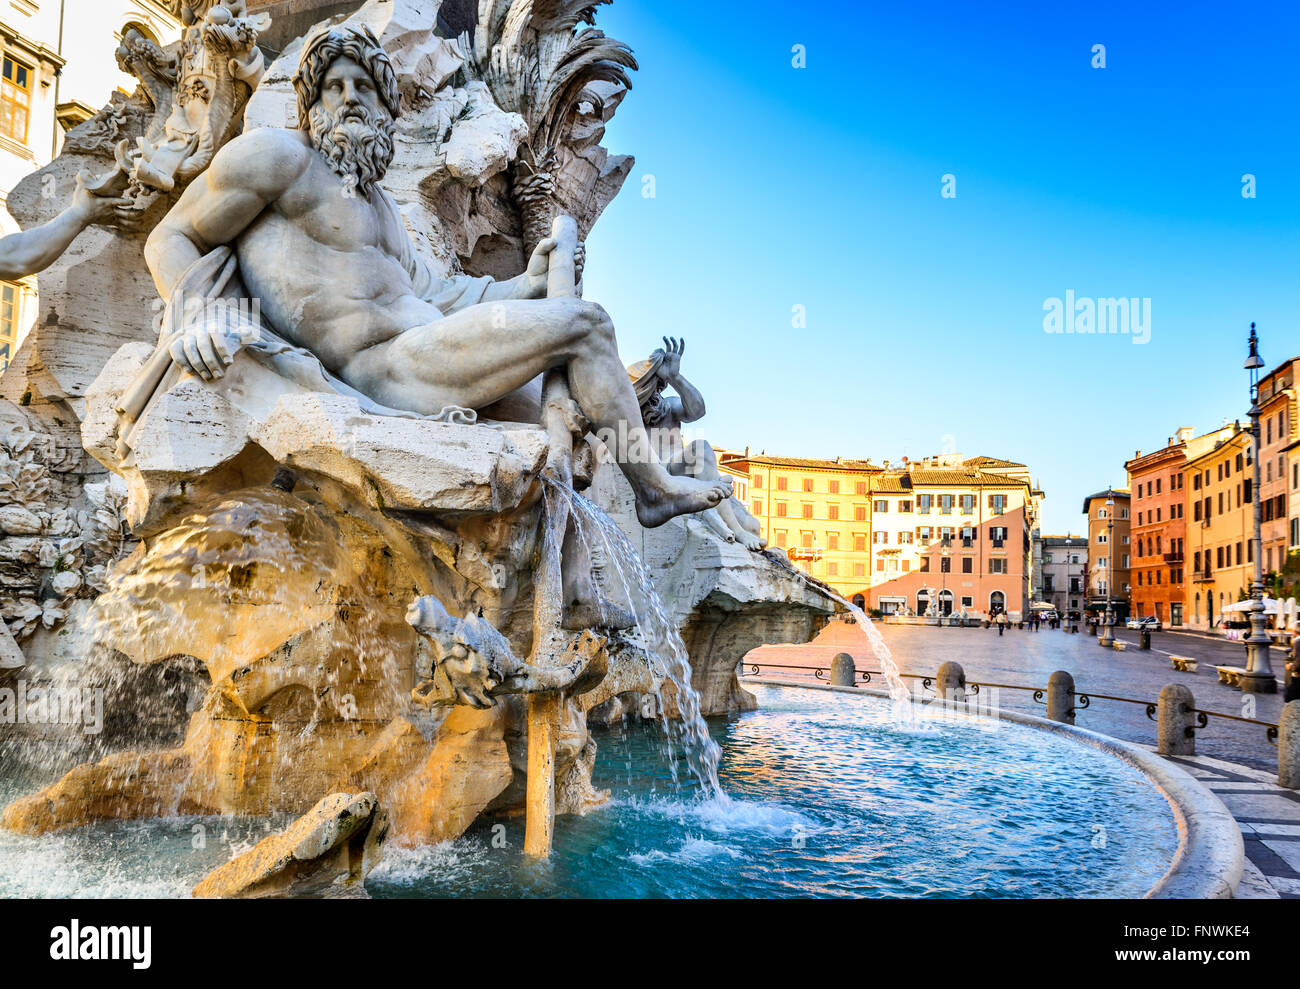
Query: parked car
(1150, 623)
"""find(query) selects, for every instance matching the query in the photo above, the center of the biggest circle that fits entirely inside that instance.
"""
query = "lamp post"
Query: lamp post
(1258, 678)
(943, 575)
(1108, 619)
(1065, 591)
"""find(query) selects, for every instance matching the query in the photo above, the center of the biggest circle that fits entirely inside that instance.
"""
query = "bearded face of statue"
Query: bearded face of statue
(350, 126)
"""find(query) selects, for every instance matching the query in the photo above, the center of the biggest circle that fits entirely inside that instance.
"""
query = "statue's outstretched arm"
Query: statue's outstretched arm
(26, 253)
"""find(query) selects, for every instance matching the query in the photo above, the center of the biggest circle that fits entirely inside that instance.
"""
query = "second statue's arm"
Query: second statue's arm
(26, 253)
(689, 397)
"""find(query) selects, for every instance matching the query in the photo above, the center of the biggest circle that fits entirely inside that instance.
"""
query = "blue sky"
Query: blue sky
(820, 187)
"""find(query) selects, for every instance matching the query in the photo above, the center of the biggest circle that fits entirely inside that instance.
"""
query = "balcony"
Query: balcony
(1173, 557)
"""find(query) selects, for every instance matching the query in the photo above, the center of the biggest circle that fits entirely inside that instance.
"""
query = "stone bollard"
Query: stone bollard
(1144, 639)
(1288, 746)
(842, 672)
(1173, 721)
(1060, 697)
(950, 683)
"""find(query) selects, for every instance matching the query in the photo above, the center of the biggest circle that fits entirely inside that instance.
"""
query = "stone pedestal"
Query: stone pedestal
(843, 673)
(1288, 746)
(1174, 735)
(1060, 697)
(1255, 683)
(950, 682)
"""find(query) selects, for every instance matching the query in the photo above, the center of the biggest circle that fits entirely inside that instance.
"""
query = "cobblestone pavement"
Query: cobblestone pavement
(1269, 817)
(1236, 761)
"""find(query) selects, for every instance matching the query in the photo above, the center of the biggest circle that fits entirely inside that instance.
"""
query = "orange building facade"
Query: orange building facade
(1158, 529)
(1277, 433)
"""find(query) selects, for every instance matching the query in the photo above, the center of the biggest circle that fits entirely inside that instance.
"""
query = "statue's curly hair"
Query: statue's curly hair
(327, 47)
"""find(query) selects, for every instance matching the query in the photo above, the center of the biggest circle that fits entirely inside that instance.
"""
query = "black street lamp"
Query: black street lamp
(1258, 678)
(1108, 637)
(943, 577)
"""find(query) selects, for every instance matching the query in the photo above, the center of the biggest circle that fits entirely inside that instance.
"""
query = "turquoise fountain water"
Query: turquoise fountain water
(829, 796)
(815, 794)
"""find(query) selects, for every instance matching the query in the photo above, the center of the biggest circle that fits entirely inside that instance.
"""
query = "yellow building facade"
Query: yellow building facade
(816, 511)
(867, 529)
(1220, 528)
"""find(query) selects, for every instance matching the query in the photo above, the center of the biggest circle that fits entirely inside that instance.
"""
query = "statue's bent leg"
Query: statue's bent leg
(482, 353)
(703, 464)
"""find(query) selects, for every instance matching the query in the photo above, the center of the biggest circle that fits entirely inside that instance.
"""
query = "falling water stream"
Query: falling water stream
(605, 542)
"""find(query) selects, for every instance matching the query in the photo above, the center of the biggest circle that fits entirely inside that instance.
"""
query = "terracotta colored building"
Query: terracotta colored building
(1109, 553)
(1158, 529)
(1277, 432)
(1159, 524)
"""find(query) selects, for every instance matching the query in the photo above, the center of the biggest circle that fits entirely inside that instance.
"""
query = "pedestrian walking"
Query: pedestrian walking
(1002, 622)
(1293, 668)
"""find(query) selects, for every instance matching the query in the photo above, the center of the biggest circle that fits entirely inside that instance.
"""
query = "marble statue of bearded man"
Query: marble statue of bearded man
(322, 248)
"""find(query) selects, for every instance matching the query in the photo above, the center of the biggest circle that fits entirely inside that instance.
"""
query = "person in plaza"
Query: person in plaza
(1293, 669)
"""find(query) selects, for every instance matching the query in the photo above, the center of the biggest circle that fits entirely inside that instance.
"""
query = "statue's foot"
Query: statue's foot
(679, 496)
(713, 519)
(750, 541)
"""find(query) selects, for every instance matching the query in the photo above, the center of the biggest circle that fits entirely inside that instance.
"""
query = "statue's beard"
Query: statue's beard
(356, 143)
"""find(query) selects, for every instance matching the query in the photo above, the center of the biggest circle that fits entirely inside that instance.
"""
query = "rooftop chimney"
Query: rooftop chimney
(1184, 434)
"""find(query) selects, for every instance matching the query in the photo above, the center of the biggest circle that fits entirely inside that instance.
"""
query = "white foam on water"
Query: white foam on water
(725, 815)
(67, 866)
(692, 850)
(449, 861)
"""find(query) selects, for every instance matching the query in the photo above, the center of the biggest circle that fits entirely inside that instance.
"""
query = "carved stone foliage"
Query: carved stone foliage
(50, 552)
(197, 90)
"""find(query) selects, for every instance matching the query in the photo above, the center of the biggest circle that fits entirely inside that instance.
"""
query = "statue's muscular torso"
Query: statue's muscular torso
(325, 267)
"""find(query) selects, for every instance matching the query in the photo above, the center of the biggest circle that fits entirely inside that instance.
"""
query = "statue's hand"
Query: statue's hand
(539, 266)
(672, 360)
(208, 345)
(93, 208)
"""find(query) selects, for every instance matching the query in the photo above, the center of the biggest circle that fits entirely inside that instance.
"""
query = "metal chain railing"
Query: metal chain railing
(1083, 699)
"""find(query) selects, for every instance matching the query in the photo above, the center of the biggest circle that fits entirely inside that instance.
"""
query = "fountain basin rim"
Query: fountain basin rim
(1211, 855)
